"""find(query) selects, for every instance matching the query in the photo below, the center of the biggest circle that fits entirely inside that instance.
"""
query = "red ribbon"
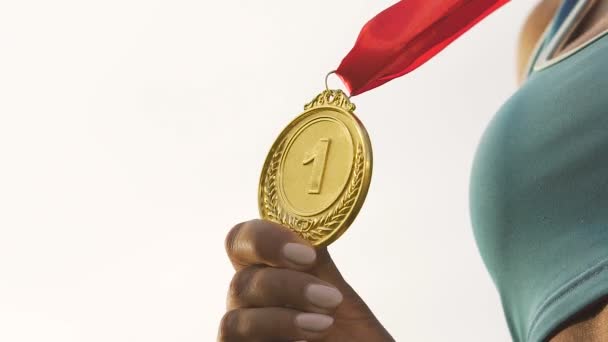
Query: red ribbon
(405, 36)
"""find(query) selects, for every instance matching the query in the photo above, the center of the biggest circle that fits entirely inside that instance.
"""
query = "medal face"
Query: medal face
(317, 173)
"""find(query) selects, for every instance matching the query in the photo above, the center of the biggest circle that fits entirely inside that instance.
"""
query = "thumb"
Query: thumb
(353, 307)
(325, 269)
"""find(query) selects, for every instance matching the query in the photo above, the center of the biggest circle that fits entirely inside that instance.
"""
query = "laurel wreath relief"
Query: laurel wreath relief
(311, 229)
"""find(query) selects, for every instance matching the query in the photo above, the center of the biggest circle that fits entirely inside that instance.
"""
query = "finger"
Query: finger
(255, 286)
(260, 242)
(273, 324)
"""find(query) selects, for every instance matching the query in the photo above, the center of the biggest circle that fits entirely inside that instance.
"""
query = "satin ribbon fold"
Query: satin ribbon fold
(405, 36)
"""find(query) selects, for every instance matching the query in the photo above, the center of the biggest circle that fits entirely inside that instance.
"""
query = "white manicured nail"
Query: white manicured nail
(313, 322)
(323, 296)
(299, 254)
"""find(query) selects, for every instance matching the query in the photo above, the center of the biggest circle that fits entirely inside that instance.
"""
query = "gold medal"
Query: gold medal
(317, 173)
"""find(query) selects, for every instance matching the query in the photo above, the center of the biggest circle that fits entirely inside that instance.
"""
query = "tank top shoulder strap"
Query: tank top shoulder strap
(551, 35)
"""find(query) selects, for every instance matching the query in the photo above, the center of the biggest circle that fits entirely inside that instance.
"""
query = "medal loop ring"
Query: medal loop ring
(327, 77)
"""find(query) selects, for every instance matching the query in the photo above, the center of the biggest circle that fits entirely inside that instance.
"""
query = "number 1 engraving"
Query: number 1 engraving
(319, 157)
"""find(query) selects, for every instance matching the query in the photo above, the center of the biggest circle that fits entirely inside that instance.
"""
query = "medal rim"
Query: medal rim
(283, 138)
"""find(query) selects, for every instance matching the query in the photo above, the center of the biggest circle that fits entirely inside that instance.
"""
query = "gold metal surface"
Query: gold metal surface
(317, 173)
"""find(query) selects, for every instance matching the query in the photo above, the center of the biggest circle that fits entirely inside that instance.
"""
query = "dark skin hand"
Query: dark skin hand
(286, 290)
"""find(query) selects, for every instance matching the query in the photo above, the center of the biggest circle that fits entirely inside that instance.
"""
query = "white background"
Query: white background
(132, 134)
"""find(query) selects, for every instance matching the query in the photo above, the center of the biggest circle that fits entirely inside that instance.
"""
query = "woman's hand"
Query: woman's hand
(285, 290)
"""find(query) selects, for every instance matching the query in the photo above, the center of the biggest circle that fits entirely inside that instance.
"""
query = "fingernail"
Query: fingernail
(313, 322)
(299, 254)
(323, 296)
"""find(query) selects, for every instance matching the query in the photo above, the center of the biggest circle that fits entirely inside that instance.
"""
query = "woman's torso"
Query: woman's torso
(591, 323)
(539, 189)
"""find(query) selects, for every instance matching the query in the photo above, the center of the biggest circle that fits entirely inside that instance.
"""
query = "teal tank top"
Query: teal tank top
(538, 194)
